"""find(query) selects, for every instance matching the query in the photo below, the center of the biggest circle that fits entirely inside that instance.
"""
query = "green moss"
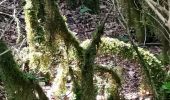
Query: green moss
(48, 37)
(17, 85)
(114, 46)
(38, 36)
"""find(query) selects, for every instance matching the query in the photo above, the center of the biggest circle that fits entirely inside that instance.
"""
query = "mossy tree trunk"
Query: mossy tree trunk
(55, 24)
(86, 56)
(17, 84)
(45, 43)
(132, 11)
(61, 29)
(39, 56)
(87, 67)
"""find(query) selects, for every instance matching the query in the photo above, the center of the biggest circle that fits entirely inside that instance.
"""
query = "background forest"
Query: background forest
(84, 49)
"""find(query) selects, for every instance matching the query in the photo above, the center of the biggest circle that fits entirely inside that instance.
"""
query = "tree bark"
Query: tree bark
(43, 24)
(17, 84)
(132, 11)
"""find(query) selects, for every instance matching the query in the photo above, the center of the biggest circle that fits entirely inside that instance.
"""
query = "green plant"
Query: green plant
(84, 9)
(166, 89)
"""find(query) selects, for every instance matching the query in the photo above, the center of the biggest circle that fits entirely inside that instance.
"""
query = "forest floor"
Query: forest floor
(83, 24)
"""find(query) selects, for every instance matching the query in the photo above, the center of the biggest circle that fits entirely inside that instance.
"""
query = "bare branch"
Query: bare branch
(2, 13)
(8, 25)
(18, 24)
(168, 23)
(2, 2)
(163, 9)
(163, 26)
(162, 18)
(99, 32)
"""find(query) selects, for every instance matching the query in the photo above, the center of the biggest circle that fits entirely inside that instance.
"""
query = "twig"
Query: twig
(6, 28)
(2, 2)
(162, 18)
(4, 52)
(120, 14)
(18, 23)
(22, 43)
(2, 13)
(150, 44)
(145, 36)
(167, 38)
(8, 25)
(163, 26)
(160, 7)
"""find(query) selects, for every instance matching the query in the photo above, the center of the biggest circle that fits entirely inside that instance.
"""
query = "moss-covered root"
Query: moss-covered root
(114, 82)
(17, 85)
(114, 46)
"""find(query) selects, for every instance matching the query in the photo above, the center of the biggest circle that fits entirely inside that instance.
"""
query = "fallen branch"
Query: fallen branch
(150, 44)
